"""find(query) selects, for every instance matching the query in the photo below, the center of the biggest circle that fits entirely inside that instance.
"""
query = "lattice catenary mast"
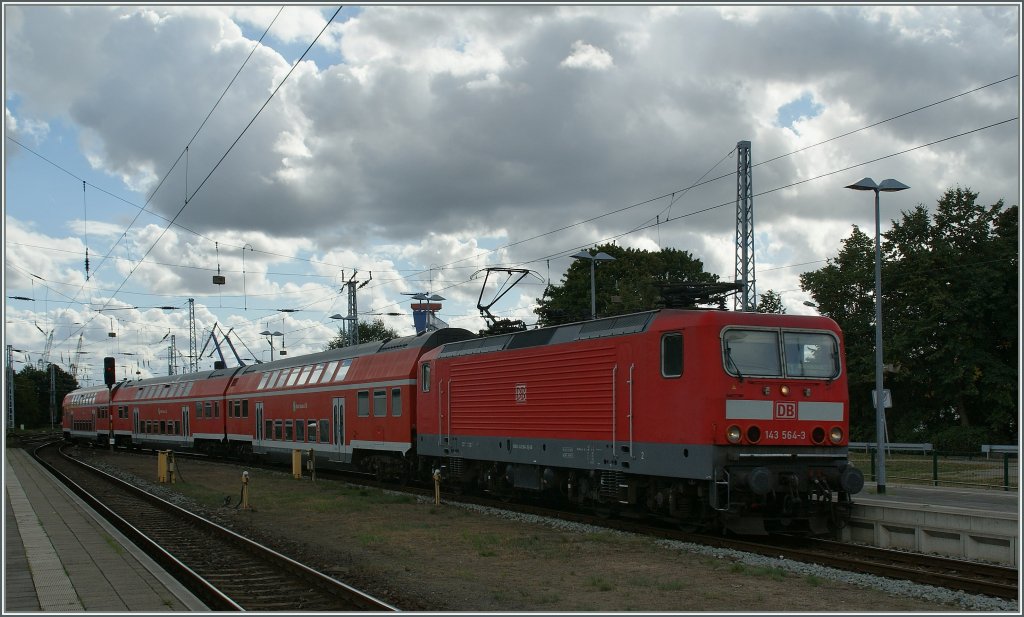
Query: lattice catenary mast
(746, 300)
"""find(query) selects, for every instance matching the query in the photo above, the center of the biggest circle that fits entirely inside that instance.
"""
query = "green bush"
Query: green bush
(960, 439)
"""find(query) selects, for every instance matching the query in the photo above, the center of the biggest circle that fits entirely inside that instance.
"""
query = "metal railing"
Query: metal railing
(975, 470)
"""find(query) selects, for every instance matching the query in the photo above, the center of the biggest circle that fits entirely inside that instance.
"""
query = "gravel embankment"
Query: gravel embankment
(896, 587)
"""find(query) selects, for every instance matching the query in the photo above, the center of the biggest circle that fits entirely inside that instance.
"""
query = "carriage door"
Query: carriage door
(135, 425)
(185, 430)
(338, 407)
(259, 423)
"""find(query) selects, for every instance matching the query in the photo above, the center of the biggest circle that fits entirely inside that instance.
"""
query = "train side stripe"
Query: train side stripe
(824, 412)
(748, 410)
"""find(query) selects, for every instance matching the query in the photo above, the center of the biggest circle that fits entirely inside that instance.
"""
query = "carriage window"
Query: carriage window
(312, 431)
(329, 372)
(245, 408)
(811, 354)
(343, 370)
(287, 430)
(363, 403)
(318, 370)
(751, 352)
(294, 376)
(672, 355)
(278, 435)
(304, 374)
(396, 402)
(325, 431)
(300, 430)
(269, 432)
(380, 403)
(425, 377)
(263, 381)
(209, 409)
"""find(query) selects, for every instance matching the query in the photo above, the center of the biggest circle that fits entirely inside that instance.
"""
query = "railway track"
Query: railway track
(227, 571)
(969, 577)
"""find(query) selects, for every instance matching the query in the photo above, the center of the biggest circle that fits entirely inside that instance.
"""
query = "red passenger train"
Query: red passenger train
(710, 418)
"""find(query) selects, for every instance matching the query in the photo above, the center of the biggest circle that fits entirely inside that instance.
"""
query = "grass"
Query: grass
(600, 583)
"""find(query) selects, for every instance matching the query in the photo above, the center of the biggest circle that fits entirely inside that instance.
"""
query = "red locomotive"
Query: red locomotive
(709, 418)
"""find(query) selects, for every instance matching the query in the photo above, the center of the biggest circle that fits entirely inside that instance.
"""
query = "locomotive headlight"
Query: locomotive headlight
(836, 434)
(784, 390)
(733, 434)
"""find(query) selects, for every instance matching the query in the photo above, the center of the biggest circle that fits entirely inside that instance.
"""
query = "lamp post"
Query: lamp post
(887, 186)
(601, 256)
(270, 339)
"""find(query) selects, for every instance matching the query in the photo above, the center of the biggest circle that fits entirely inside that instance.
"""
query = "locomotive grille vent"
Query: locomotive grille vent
(455, 468)
(472, 346)
(626, 324)
(531, 338)
(612, 484)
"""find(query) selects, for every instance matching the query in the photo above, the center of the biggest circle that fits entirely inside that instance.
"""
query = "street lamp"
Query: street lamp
(270, 339)
(601, 256)
(887, 186)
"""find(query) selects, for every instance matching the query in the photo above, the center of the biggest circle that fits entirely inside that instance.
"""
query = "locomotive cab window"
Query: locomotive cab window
(811, 354)
(425, 377)
(775, 353)
(751, 353)
(672, 355)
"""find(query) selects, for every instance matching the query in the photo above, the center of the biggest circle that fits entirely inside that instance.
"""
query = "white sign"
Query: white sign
(886, 398)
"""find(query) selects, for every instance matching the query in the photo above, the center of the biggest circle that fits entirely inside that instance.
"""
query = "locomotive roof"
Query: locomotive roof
(609, 326)
(583, 330)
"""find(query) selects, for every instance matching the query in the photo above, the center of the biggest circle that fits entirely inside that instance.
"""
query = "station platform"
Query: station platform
(61, 556)
(973, 524)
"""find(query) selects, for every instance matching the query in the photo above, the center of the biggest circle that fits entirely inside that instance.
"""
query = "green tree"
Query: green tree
(845, 291)
(950, 319)
(368, 331)
(633, 282)
(771, 302)
(954, 340)
(32, 395)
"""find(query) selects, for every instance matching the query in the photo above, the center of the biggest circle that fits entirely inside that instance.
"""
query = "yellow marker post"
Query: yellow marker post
(437, 487)
(245, 490)
(297, 464)
(161, 466)
(171, 468)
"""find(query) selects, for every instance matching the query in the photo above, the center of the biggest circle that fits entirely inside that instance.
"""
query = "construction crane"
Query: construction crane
(75, 358)
(45, 358)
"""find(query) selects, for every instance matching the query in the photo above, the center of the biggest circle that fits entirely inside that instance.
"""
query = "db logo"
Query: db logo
(520, 393)
(785, 411)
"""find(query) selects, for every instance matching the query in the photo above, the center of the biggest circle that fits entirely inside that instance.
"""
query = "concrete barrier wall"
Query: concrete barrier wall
(990, 537)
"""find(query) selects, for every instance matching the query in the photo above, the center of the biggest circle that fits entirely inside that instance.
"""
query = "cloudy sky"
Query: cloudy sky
(419, 144)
